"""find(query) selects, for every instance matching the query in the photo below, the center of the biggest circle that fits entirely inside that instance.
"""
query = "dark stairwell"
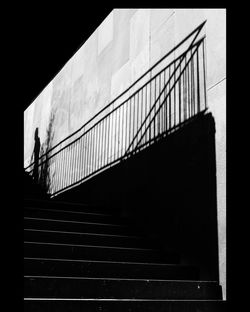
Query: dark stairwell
(142, 235)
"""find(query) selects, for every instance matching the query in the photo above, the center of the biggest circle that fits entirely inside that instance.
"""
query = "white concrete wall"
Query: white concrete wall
(124, 46)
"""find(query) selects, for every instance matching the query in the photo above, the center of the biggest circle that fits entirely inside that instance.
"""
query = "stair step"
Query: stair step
(79, 268)
(77, 226)
(47, 236)
(125, 305)
(70, 215)
(60, 205)
(72, 287)
(87, 252)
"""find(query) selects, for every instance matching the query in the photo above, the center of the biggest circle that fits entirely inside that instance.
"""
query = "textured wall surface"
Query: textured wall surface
(123, 47)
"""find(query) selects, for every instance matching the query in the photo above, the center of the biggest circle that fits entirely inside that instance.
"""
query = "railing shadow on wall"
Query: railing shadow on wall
(163, 99)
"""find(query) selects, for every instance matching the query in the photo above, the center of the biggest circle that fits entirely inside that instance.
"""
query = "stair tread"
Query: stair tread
(78, 222)
(70, 205)
(68, 211)
(91, 246)
(84, 233)
(122, 279)
(103, 261)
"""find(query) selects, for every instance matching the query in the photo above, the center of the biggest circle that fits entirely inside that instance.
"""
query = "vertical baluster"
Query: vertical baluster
(80, 159)
(66, 167)
(192, 86)
(150, 105)
(114, 145)
(89, 151)
(198, 81)
(188, 89)
(170, 104)
(76, 161)
(131, 122)
(137, 117)
(104, 142)
(56, 172)
(141, 121)
(73, 179)
(84, 154)
(119, 132)
(61, 171)
(165, 103)
(180, 98)
(91, 145)
(62, 168)
(92, 150)
(87, 154)
(111, 136)
(175, 94)
(154, 103)
(185, 89)
(204, 73)
(116, 135)
(71, 171)
(99, 159)
(122, 130)
(71, 165)
(108, 139)
(126, 129)
(146, 112)
(159, 113)
(101, 143)
(133, 118)
(98, 146)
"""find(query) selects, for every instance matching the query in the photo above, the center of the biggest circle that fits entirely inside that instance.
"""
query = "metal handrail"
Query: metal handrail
(197, 30)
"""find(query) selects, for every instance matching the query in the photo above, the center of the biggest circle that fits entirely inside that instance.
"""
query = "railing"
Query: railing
(159, 102)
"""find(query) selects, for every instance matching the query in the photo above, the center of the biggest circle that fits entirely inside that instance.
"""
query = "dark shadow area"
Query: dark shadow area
(35, 156)
(45, 177)
(169, 190)
(31, 190)
(39, 176)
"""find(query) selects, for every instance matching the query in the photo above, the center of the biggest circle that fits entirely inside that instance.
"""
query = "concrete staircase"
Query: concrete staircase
(86, 258)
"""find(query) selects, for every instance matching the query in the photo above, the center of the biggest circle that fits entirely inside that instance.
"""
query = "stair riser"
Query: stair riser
(108, 270)
(99, 240)
(138, 289)
(94, 253)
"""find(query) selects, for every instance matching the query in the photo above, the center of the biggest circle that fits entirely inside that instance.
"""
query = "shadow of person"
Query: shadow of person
(36, 153)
